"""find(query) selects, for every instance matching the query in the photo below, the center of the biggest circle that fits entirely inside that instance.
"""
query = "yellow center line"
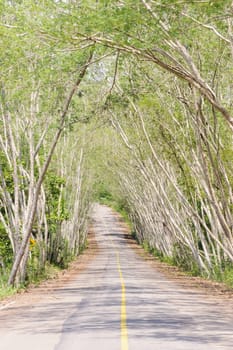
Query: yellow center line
(124, 332)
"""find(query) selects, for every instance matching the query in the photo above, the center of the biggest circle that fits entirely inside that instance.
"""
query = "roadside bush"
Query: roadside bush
(6, 253)
(183, 258)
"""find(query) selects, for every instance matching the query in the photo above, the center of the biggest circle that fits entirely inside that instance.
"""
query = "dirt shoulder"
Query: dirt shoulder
(207, 287)
(173, 273)
(46, 289)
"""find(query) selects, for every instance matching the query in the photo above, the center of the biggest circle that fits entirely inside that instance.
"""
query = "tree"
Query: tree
(154, 92)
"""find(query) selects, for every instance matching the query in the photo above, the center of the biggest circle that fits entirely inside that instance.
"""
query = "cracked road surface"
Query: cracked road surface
(118, 302)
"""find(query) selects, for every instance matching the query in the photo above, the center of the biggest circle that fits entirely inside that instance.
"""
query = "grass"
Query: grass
(228, 277)
(157, 254)
(49, 271)
(35, 278)
(35, 275)
(5, 290)
(223, 275)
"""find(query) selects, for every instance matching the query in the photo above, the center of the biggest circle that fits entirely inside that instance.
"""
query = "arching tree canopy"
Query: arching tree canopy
(128, 101)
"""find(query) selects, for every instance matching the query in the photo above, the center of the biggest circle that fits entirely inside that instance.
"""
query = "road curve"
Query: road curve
(119, 302)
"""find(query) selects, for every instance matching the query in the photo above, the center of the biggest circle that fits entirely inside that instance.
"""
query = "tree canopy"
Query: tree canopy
(124, 101)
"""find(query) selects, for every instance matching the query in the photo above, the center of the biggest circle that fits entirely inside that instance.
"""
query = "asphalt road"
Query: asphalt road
(119, 302)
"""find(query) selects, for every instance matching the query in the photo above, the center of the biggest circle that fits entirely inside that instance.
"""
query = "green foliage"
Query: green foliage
(227, 276)
(36, 274)
(223, 273)
(183, 258)
(43, 47)
(5, 291)
(59, 254)
(56, 209)
(6, 172)
(6, 253)
(101, 192)
(118, 203)
(157, 253)
(121, 206)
